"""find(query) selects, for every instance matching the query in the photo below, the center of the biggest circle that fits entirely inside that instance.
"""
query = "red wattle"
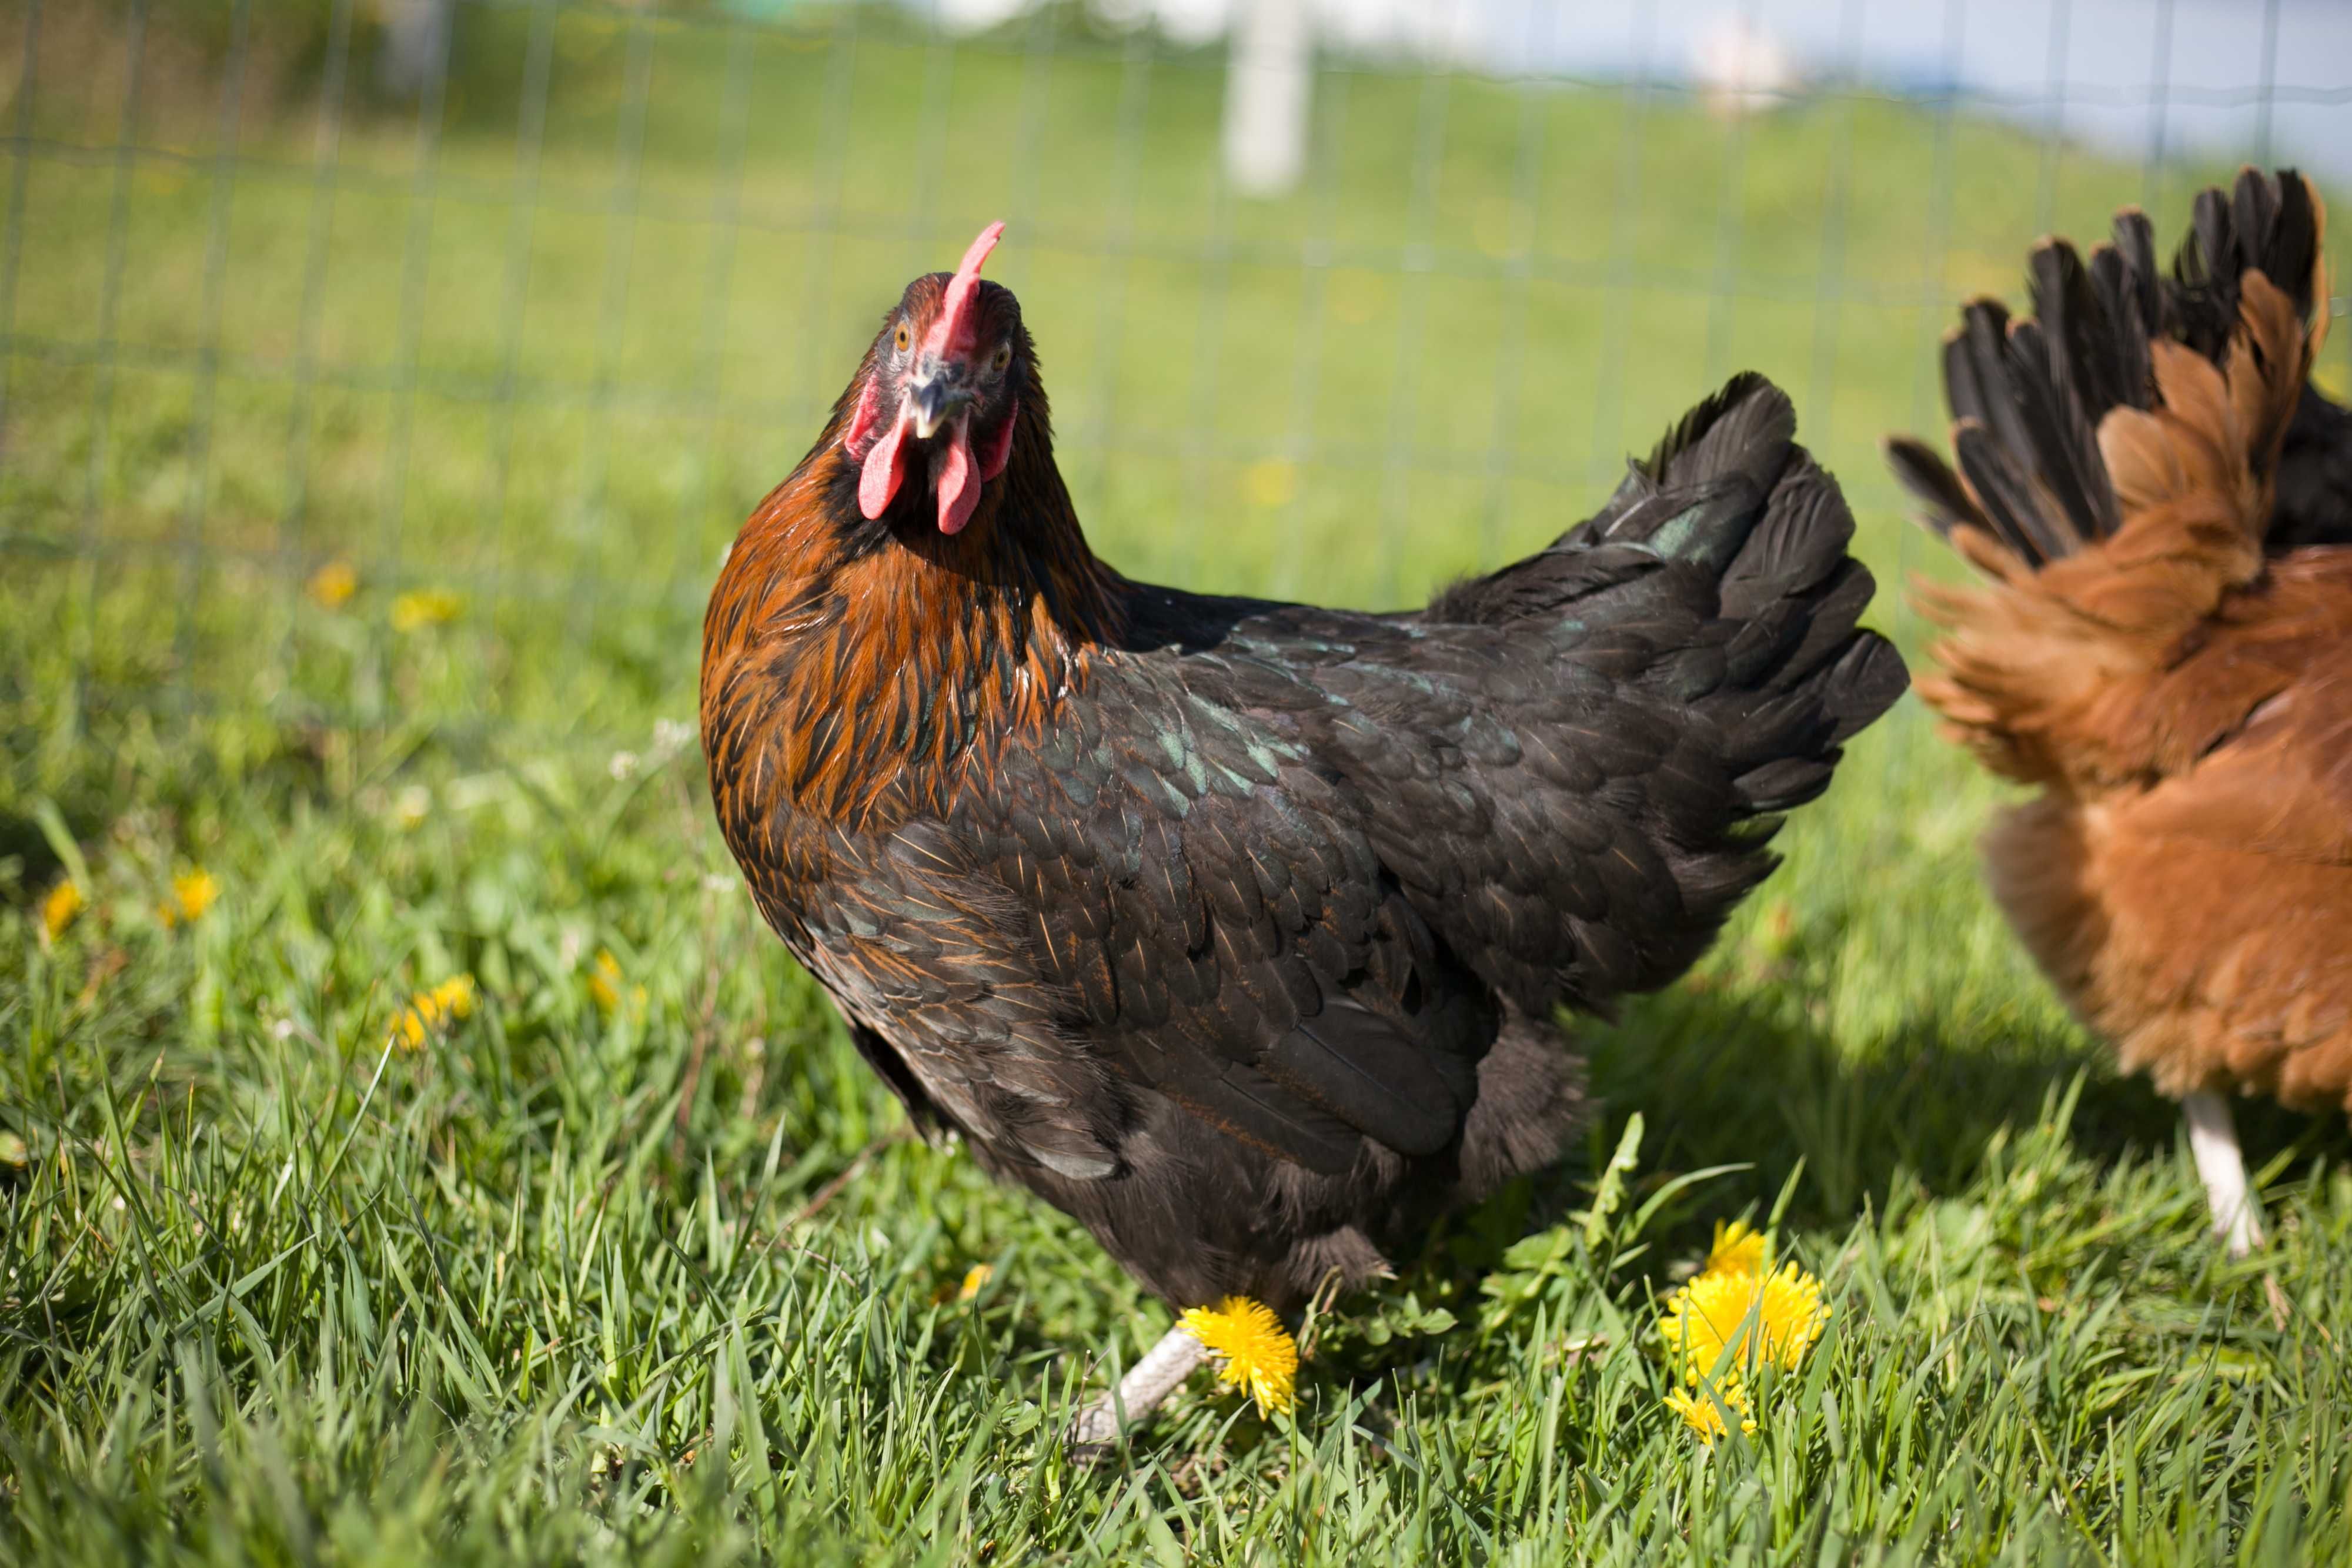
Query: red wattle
(953, 478)
(886, 465)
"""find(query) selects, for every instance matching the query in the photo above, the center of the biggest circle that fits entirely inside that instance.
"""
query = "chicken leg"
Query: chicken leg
(1150, 1381)
(2213, 1140)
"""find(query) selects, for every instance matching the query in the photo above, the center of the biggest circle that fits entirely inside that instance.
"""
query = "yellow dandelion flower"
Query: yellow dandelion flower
(1700, 1413)
(58, 909)
(433, 1009)
(975, 1279)
(333, 585)
(1762, 1318)
(192, 893)
(1739, 1248)
(1271, 483)
(1258, 1352)
(411, 807)
(604, 985)
(425, 607)
(604, 981)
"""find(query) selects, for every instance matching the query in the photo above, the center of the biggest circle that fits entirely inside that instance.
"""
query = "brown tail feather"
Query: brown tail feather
(2052, 669)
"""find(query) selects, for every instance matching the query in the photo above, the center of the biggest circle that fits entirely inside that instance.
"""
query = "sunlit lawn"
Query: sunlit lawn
(573, 1272)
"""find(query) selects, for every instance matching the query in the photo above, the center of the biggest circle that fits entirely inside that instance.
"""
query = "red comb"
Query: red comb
(954, 332)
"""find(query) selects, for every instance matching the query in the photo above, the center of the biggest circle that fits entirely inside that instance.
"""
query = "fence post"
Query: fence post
(1267, 79)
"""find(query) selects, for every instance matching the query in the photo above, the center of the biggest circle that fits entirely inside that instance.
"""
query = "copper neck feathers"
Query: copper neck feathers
(859, 671)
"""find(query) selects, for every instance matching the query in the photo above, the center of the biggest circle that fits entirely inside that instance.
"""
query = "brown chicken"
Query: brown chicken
(2162, 645)
(1236, 929)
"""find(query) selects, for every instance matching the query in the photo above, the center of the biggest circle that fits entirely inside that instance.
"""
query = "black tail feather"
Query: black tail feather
(1744, 428)
(1804, 678)
(1929, 479)
(2129, 302)
(2064, 447)
(2266, 224)
(2080, 328)
(1765, 637)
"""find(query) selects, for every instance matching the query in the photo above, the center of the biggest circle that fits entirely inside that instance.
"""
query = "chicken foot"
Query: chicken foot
(2213, 1140)
(1149, 1382)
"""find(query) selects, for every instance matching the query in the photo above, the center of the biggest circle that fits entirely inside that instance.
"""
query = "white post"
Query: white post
(1267, 80)
(416, 40)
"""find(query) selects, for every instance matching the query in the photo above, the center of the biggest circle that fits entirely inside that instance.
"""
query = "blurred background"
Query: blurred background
(410, 363)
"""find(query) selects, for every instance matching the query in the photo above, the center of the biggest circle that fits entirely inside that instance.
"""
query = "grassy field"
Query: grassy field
(627, 1260)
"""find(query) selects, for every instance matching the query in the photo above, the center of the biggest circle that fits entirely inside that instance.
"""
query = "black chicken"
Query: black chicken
(1236, 929)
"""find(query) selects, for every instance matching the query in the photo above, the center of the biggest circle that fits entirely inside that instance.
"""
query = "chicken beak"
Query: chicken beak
(937, 404)
(934, 401)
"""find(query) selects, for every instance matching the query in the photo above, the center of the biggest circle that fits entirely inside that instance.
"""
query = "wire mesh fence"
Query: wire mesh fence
(413, 363)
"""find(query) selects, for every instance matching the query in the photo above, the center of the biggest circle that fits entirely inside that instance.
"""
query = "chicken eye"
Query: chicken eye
(901, 338)
(1004, 358)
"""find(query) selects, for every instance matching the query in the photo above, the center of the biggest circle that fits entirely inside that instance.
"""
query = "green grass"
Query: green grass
(661, 1281)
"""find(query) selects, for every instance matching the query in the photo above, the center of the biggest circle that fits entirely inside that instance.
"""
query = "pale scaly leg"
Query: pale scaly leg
(2213, 1140)
(1166, 1364)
